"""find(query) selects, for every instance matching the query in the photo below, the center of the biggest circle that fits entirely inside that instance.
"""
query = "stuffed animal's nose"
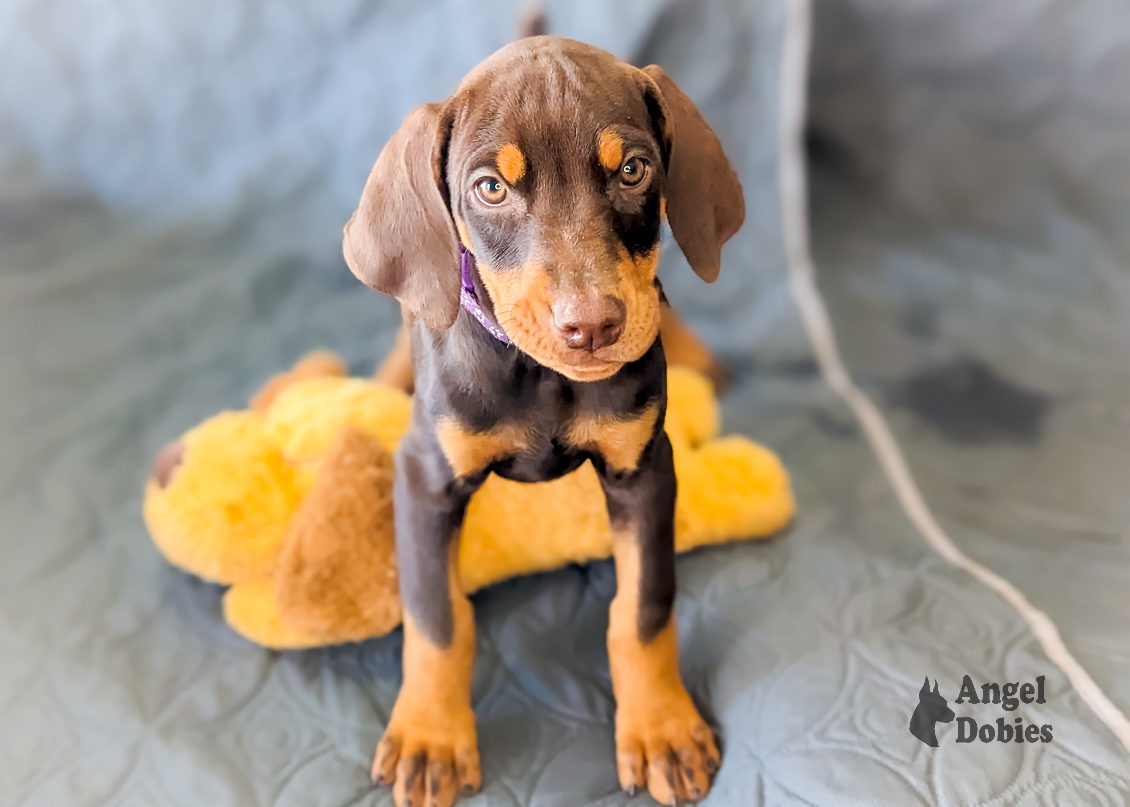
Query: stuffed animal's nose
(589, 322)
(168, 460)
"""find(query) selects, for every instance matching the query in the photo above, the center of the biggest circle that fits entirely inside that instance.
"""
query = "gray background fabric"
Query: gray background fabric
(972, 192)
(174, 183)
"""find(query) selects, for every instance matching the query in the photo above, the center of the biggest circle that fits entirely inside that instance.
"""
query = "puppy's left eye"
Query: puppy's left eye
(633, 172)
(490, 191)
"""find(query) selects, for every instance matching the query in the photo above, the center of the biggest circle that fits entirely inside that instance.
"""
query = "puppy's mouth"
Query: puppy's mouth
(547, 348)
(587, 366)
(523, 307)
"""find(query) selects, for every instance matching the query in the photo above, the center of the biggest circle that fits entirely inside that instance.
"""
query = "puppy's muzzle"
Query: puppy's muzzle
(589, 321)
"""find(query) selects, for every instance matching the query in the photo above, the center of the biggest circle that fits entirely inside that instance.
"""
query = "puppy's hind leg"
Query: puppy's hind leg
(397, 370)
(683, 348)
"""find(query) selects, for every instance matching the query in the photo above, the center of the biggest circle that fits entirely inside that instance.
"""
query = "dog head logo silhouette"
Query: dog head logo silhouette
(932, 708)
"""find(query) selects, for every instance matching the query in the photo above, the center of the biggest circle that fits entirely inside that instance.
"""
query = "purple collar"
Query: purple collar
(469, 298)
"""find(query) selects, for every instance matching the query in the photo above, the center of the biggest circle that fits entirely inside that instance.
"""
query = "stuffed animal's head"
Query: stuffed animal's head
(221, 497)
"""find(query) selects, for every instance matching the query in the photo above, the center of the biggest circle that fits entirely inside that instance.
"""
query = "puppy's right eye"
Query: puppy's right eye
(490, 191)
(633, 172)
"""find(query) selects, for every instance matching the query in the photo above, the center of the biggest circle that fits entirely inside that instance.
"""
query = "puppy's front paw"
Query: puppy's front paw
(428, 763)
(671, 751)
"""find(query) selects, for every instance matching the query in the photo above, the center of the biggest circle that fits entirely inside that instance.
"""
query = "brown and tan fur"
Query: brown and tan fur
(554, 165)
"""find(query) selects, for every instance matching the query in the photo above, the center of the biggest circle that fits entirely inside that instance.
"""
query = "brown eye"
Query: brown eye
(490, 191)
(633, 171)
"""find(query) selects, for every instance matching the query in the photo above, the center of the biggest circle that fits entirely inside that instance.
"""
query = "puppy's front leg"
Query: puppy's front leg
(661, 740)
(429, 751)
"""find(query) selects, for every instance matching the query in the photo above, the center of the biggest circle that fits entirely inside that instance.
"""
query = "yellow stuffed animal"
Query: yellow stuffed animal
(290, 504)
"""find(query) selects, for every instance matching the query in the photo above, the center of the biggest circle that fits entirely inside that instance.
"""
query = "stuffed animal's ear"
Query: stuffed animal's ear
(705, 205)
(335, 577)
(401, 240)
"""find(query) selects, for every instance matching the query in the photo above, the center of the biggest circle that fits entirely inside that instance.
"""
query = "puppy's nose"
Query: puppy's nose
(589, 322)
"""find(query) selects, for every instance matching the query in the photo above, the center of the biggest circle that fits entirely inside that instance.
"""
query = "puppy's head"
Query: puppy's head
(554, 164)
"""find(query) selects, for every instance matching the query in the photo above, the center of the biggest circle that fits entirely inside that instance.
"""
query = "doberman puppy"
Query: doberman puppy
(546, 176)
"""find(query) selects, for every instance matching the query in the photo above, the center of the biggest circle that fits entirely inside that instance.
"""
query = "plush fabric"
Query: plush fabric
(300, 494)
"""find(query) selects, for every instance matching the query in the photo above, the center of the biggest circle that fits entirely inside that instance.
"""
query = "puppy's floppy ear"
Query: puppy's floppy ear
(705, 205)
(401, 240)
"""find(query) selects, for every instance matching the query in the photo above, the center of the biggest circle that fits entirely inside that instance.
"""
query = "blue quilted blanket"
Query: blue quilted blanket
(175, 177)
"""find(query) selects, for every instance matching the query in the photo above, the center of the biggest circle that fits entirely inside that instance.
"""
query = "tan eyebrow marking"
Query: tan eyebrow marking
(511, 163)
(610, 149)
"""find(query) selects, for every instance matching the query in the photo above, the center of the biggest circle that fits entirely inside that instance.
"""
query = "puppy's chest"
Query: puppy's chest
(541, 436)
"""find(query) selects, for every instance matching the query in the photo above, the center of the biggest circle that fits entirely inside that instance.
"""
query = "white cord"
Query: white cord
(802, 279)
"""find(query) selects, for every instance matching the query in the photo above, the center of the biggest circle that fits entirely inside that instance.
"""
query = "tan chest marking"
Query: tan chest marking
(469, 452)
(619, 441)
(511, 163)
(610, 150)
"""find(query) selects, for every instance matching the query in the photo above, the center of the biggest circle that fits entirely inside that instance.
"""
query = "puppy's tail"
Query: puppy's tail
(532, 21)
